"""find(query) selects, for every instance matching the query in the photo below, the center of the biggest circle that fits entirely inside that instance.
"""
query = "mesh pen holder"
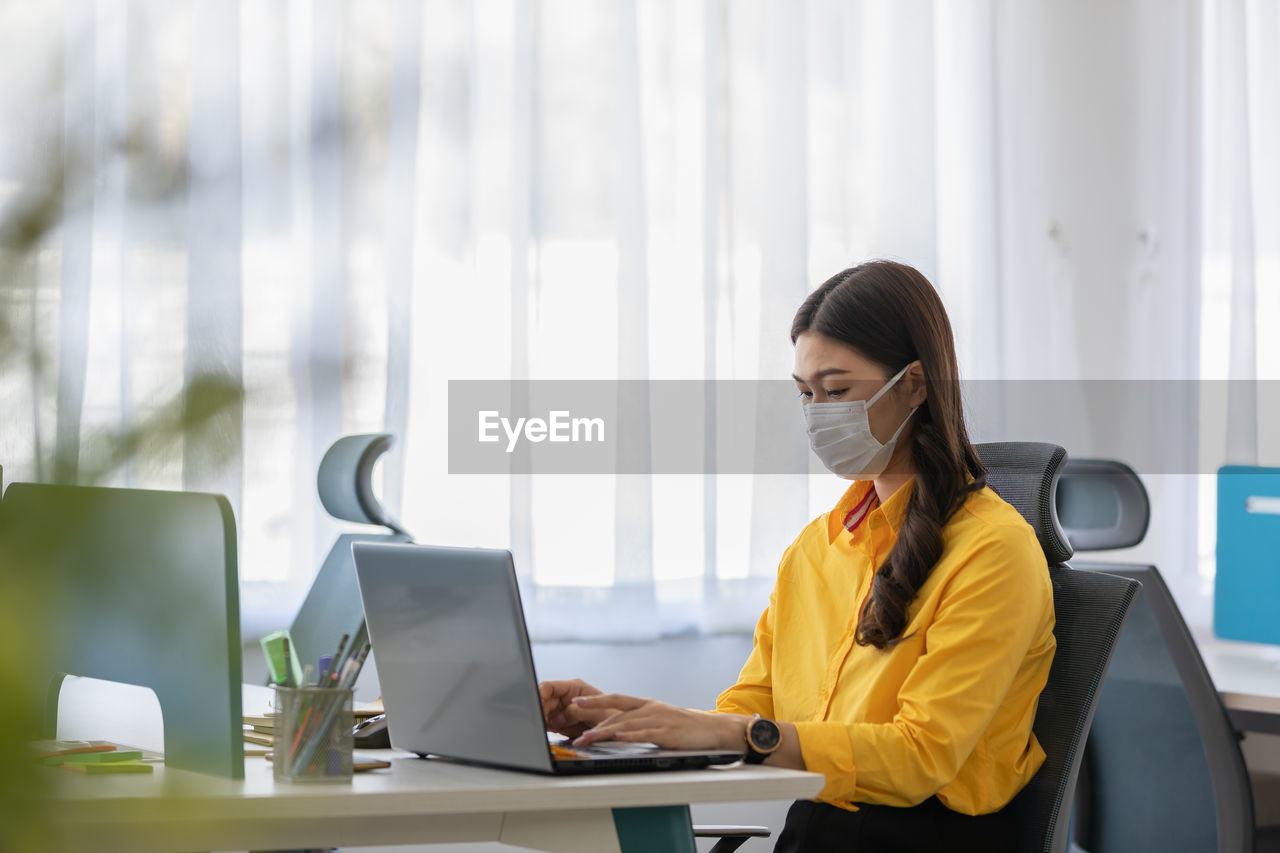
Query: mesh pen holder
(312, 742)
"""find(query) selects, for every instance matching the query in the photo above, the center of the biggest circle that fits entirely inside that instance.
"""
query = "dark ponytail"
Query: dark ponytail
(890, 314)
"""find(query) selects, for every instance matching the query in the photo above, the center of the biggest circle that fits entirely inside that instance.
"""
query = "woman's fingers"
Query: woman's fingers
(610, 700)
(642, 735)
(623, 723)
(665, 725)
(576, 715)
(556, 697)
(565, 716)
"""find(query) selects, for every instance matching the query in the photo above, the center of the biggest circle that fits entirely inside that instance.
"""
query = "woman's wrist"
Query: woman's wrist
(733, 731)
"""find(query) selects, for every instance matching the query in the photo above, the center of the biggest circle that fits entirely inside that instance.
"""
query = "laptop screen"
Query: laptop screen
(452, 654)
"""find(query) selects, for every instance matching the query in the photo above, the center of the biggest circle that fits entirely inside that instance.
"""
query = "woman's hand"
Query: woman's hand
(562, 716)
(651, 721)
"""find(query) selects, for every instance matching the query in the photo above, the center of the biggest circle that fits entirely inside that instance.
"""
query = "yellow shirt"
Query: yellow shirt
(948, 710)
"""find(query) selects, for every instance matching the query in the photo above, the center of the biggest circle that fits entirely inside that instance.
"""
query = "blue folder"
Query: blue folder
(1246, 600)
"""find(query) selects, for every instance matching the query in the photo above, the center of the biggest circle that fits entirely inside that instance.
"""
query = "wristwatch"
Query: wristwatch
(763, 739)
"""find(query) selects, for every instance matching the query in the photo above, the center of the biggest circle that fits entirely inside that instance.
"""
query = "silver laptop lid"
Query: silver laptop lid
(452, 654)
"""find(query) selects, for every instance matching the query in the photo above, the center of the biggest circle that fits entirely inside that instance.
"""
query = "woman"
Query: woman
(910, 630)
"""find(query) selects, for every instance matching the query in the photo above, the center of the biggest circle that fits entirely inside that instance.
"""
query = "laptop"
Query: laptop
(453, 659)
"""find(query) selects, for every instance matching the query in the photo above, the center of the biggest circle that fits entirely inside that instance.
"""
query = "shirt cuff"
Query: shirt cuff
(826, 749)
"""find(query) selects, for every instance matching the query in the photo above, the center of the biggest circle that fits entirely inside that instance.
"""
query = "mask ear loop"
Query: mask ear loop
(902, 426)
(886, 386)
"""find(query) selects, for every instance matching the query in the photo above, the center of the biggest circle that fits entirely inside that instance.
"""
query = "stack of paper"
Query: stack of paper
(260, 730)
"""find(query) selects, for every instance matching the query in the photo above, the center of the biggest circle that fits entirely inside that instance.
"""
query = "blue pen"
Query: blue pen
(325, 662)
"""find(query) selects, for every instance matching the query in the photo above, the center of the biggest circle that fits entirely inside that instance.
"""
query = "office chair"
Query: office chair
(345, 485)
(1162, 768)
(1090, 609)
(1102, 505)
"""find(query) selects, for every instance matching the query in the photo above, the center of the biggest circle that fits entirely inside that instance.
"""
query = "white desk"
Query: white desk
(1247, 676)
(415, 801)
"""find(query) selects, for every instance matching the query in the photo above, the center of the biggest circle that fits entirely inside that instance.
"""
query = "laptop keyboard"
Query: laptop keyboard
(619, 749)
(598, 751)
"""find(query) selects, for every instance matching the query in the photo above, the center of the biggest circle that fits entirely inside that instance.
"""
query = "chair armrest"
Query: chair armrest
(731, 837)
(712, 831)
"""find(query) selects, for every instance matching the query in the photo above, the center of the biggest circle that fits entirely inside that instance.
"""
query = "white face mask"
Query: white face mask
(840, 435)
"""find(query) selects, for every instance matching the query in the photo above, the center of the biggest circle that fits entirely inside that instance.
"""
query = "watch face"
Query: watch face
(765, 735)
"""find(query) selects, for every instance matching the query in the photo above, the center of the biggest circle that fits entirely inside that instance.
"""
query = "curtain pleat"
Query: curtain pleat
(714, 140)
(1236, 163)
(117, 105)
(523, 225)
(780, 503)
(325, 350)
(79, 160)
(215, 318)
(633, 506)
(402, 161)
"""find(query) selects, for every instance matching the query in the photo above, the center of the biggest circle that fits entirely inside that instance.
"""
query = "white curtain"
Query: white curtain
(1241, 237)
(388, 195)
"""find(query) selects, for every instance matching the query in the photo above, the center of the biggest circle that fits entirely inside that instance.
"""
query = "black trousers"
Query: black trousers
(927, 828)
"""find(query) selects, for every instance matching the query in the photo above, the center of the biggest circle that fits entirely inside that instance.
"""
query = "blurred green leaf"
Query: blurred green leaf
(195, 416)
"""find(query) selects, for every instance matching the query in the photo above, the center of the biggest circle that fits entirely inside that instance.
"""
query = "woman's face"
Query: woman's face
(830, 371)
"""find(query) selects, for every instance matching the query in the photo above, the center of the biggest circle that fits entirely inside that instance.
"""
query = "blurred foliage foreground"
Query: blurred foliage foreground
(196, 417)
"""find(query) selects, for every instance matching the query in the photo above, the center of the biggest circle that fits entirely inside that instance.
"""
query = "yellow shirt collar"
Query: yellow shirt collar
(893, 511)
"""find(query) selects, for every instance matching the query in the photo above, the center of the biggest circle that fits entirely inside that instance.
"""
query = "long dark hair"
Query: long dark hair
(890, 314)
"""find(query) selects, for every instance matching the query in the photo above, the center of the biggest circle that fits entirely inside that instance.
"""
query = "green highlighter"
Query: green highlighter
(282, 659)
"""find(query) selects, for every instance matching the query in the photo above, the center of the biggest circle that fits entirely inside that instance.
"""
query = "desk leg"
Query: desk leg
(656, 829)
(580, 831)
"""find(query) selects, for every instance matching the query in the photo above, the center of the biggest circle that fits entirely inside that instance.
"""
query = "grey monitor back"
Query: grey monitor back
(452, 653)
(332, 606)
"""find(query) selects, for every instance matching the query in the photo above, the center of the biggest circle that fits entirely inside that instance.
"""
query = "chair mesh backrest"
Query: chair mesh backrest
(1025, 473)
(1090, 608)
(1163, 759)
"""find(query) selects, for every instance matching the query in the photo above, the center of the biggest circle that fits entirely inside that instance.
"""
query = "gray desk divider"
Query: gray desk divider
(142, 588)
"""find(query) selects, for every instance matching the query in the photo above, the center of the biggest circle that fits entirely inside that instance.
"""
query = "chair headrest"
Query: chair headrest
(345, 480)
(1102, 504)
(1025, 473)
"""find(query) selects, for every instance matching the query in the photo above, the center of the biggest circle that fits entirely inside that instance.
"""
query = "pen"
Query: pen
(349, 679)
(340, 663)
(302, 727)
(337, 656)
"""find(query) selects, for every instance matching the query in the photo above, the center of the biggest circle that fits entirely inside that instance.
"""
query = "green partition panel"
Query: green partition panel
(142, 588)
